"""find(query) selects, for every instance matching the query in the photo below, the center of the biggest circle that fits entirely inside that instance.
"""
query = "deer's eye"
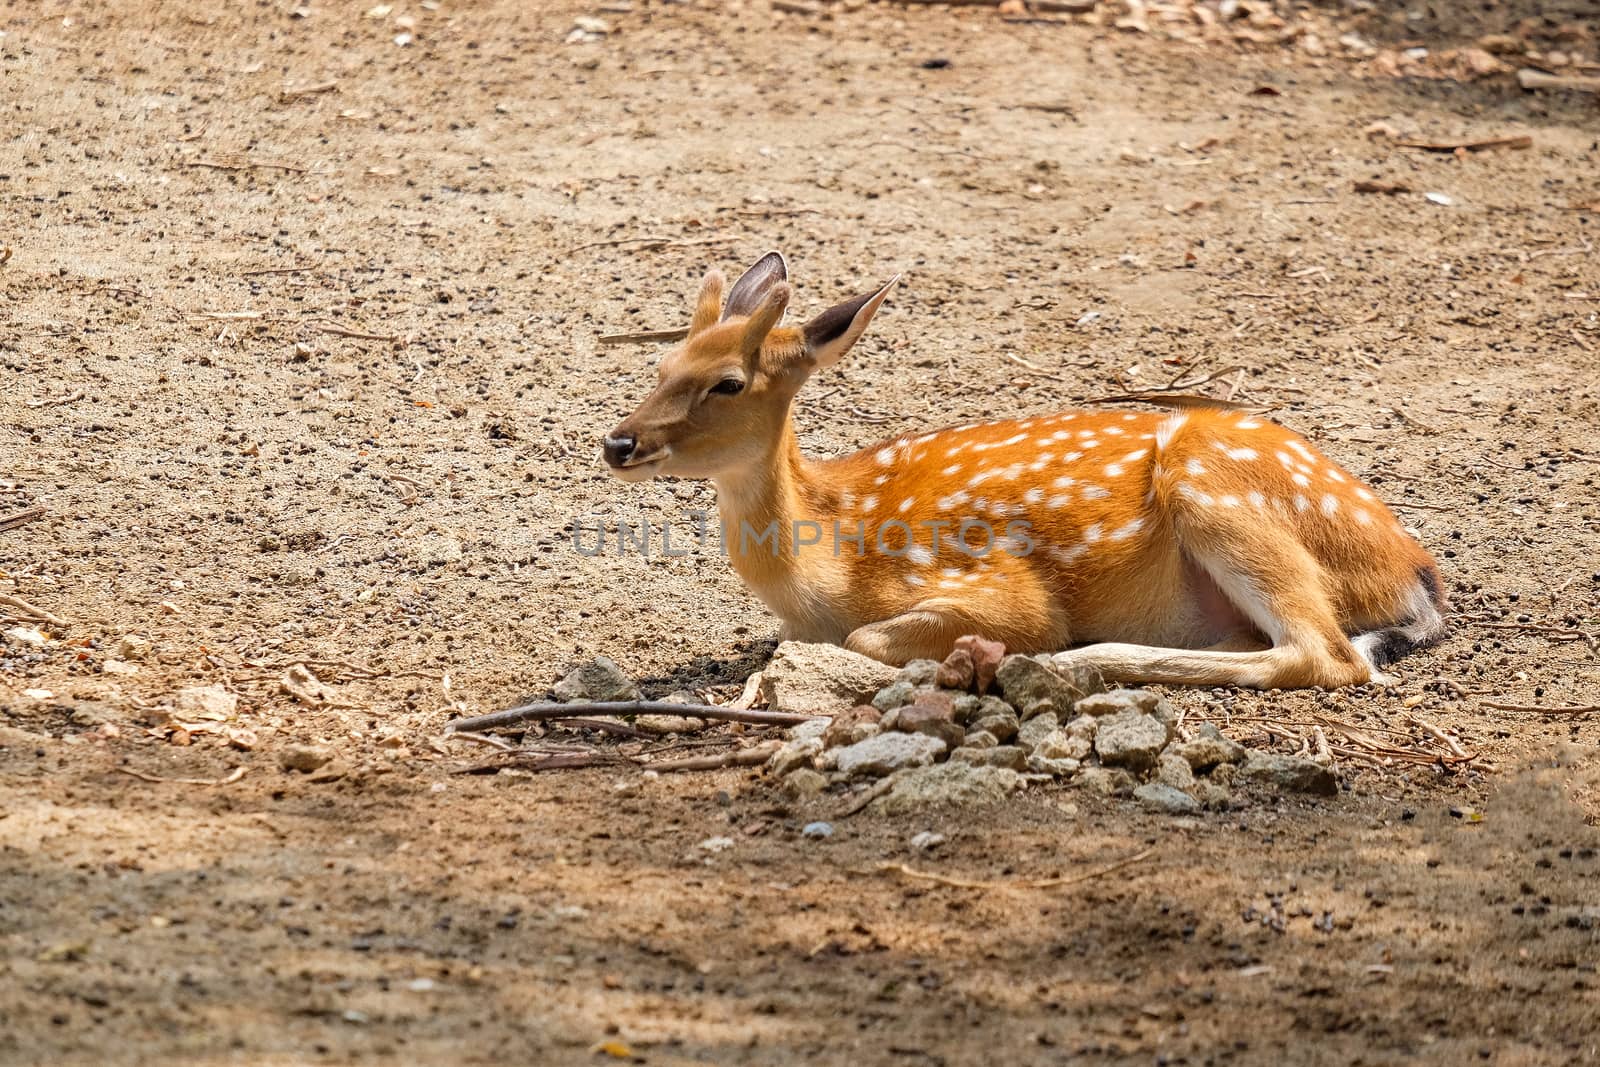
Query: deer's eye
(727, 387)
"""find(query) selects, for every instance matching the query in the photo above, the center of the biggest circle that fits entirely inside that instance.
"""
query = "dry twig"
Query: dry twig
(1032, 883)
(34, 612)
(21, 518)
(541, 711)
(236, 774)
(643, 336)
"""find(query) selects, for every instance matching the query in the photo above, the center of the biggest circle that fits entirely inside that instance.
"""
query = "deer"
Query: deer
(1190, 546)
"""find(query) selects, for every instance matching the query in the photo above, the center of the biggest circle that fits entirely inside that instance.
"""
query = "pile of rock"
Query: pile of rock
(980, 724)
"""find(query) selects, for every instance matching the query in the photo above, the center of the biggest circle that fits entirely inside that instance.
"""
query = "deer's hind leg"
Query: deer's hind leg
(1273, 581)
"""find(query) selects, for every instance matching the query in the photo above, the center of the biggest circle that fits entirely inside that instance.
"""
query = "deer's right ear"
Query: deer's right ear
(708, 305)
(830, 335)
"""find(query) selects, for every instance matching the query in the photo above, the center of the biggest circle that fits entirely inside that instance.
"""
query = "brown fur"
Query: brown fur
(1204, 546)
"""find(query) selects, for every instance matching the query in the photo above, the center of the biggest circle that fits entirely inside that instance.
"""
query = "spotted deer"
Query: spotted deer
(1204, 546)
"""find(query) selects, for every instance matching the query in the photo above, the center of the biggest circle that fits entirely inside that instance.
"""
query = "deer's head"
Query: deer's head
(722, 398)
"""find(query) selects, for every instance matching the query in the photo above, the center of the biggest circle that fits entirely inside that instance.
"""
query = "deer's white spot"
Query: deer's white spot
(1017, 440)
(1058, 501)
(1238, 453)
(1248, 424)
(1305, 453)
(880, 479)
(1091, 533)
(1129, 417)
(1126, 530)
(1033, 496)
(1229, 501)
(915, 579)
(1333, 475)
(952, 469)
(1067, 555)
(1072, 457)
(1114, 431)
(1095, 492)
(1113, 470)
(1195, 468)
(847, 501)
(905, 505)
(1362, 517)
(869, 503)
(1330, 504)
(1089, 444)
(951, 572)
(1167, 428)
(919, 555)
(1300, 502)
(1135, 456)
(1189, 492)
(1300, 479)
(1283, 457)
(1363, 494)
(1257, 500)
(884, 456)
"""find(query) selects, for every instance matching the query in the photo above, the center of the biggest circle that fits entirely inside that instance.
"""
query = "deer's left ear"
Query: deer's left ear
(829, 336)
(751, 289)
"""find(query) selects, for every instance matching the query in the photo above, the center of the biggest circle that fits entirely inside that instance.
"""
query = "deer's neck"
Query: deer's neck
(769, 514)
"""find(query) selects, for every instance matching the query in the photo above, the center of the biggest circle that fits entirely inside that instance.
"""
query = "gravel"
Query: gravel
(1158, 796)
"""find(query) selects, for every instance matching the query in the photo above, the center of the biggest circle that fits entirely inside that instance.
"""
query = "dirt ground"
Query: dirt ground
(299, 350)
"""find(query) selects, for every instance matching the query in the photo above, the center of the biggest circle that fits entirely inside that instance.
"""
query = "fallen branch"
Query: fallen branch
(1519, 141)
(866, 798)
(21, 518)
(541, 711)
(1541, 709)
(1034, 883)
(644, 336)
(1529, 78)
(275, 270)
(35, 612)
(234, 776)
(211, 164)
(743, 757)
(650, 244)
(309, 90)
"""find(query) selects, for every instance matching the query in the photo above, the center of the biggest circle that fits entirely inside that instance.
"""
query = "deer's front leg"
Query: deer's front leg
(921, 634)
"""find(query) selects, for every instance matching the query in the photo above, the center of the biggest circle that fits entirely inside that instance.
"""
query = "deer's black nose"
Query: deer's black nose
(619, 448)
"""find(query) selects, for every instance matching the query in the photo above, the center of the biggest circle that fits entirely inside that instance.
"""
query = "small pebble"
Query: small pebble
(927, 841)
(818, 831)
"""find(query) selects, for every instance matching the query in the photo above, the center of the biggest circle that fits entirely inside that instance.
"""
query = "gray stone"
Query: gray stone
(887, 753)
(1037, 729)
(305, 758)
(894, 695)
(204, 702)
(1083, 726)
(855, 724)
(1058, 744)
(803, 784)
(1056, 768)
(814, 679)
(919, 672)
(1130, 739)
(1003, 727)
(810, 728)
(817, 831)
(1211, 795)
(1204, 753)
(794, 755)
(598, 680)
(1172, 769)
(947, 783)
(1107, 781)
(1118, 700)
(1289, 774)
(966, 707)
(1158, 796)
(1033, 688)
(927, 841)
(980, 739)
(1085, 680)
(999, 756)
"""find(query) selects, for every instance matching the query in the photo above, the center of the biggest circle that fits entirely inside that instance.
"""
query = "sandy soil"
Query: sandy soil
(298, 346)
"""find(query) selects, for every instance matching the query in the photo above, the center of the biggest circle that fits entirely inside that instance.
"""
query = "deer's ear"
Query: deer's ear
(764, 317)
(751, 288)
(708, 305)
(829, 336)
